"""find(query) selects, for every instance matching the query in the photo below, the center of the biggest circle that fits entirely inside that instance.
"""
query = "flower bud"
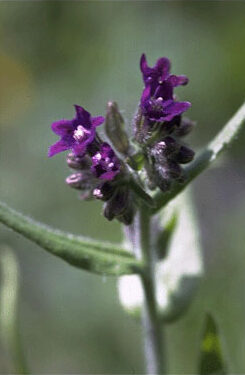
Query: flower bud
(115, 128)
(185, 155)
(161, 178)
(104, 191)
(173, 170)
(77, 162)
(165, 174)
(164, 149)
(129, 212)
(117, 205)
(79, 180)
(86, 195)
(185, 127)
(128, 215)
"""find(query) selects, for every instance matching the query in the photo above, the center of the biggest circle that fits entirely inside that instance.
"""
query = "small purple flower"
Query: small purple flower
(105, 163)
(76, 134)
(160, 75)
(156, 109)
(157, 101)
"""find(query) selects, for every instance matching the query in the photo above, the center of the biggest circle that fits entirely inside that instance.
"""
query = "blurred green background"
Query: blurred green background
(56, 54)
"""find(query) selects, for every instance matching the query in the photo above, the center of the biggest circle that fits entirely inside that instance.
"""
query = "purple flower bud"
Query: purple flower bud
(75, 134)
(117, 205)
(186, 126)
(80, 180)
(164, 149)
(105, 163)
(173, 170)
(75, 180)
(185, 155)
(162, 178)
(78, 162)
(127, 217)
(104, 191)
(115, 128)
(166, 174)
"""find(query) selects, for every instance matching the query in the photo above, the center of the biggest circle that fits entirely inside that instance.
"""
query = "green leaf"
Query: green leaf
(223, 139)
(211, 358)
(178, 275)
(97, 257)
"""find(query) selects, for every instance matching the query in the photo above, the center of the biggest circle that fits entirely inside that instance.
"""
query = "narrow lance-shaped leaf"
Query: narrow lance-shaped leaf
(100, 258)
(211, 358)
(223, 139)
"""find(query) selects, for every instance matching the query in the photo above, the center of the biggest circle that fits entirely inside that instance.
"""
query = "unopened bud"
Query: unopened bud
(77, 162)
(173, 170)
(104, 191)
(128, 216)
(115, 128)
(164, 175)
(170, 127)
(185, 155)
(117, 205)
(79, 180)
(185, 127)
(164, 149)
(86, 195)
(162, 178)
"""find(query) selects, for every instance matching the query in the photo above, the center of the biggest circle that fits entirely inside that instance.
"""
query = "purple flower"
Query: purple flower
(75, 134)
(157, 101)
(105, 163)
(157, 109)
(160, 75)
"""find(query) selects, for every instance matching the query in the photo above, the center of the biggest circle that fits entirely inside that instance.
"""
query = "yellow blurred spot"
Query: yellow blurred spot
(15, 89)
(211, 343)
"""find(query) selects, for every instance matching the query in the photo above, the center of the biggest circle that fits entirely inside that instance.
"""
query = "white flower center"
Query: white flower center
(97, 156)
(79, 133)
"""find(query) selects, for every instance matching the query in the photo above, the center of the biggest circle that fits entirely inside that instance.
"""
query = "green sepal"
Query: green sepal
(115, 128)
(211, 357)
(136, 161)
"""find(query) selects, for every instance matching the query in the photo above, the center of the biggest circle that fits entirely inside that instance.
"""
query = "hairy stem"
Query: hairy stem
(153, 343)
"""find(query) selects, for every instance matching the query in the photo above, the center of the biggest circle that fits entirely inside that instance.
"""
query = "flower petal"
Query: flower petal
(143, 64)
(146, 94)
(79, 149)
(175, 108)
(163, 67)
(177, 80)
(62, 127)
(96, 121)
(83, 116)
(164, 90)
(59, 146)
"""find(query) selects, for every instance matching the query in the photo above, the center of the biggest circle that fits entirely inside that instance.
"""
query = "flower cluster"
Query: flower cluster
(159, 126)
(156, 150)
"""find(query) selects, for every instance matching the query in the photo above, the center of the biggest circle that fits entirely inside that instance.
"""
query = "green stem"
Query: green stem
(152, 330)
